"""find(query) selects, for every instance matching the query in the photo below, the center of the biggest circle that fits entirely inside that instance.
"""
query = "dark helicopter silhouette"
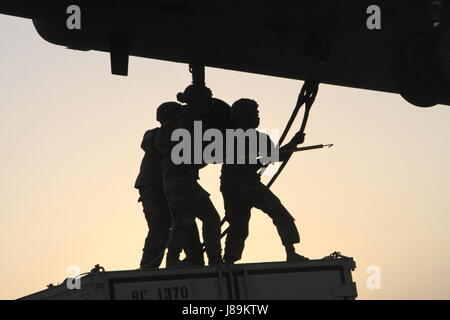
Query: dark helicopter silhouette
(398, 46)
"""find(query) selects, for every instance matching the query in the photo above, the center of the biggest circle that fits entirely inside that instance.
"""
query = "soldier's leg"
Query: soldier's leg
(179, 187)
(158, 221)
(210, 218)
(263, 199)
(237, 214)
(183, 210)
(194, 248)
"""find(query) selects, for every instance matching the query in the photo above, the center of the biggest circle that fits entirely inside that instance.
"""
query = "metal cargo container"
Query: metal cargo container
(329, 278)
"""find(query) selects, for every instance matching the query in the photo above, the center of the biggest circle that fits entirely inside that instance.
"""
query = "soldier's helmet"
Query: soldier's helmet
(167, 110)
(220, 115)
(243, 108)
(194, 93)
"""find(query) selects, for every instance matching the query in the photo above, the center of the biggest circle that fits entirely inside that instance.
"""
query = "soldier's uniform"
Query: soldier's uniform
(243, 190)
(187, 199)
(156, 210)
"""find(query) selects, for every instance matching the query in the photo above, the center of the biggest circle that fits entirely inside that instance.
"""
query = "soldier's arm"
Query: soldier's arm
(286, 150)
(149, 136)
(272, 153)
(163, 139)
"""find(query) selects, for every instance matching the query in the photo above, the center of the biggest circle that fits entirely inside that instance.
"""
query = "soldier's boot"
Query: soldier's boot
(229, 260)
(194, 260)
(193, 263)
(292, 256)
(237, 234)
(232, 253)
(173, 259)
(194, 249)
(215, 261)
(289, 235)
(211, 235)
(182, 226)
(213, 251)
(151, 260)
(234, 245)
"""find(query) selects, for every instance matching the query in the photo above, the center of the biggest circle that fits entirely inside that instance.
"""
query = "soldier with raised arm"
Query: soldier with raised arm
(243, 190)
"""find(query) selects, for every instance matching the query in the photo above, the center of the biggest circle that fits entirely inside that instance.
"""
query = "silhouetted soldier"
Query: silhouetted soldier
(187, 199)
(243, 190)
(153, 198)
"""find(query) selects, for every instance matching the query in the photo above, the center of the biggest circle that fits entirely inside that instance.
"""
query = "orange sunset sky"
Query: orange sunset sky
(70, 134)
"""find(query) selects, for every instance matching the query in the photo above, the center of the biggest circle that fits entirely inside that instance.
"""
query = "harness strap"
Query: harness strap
(307, 96)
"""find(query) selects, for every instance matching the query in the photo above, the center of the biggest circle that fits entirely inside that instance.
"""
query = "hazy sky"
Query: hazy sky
(70, 134)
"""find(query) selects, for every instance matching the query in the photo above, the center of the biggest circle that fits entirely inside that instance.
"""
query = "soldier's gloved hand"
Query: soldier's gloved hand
(299, 138)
